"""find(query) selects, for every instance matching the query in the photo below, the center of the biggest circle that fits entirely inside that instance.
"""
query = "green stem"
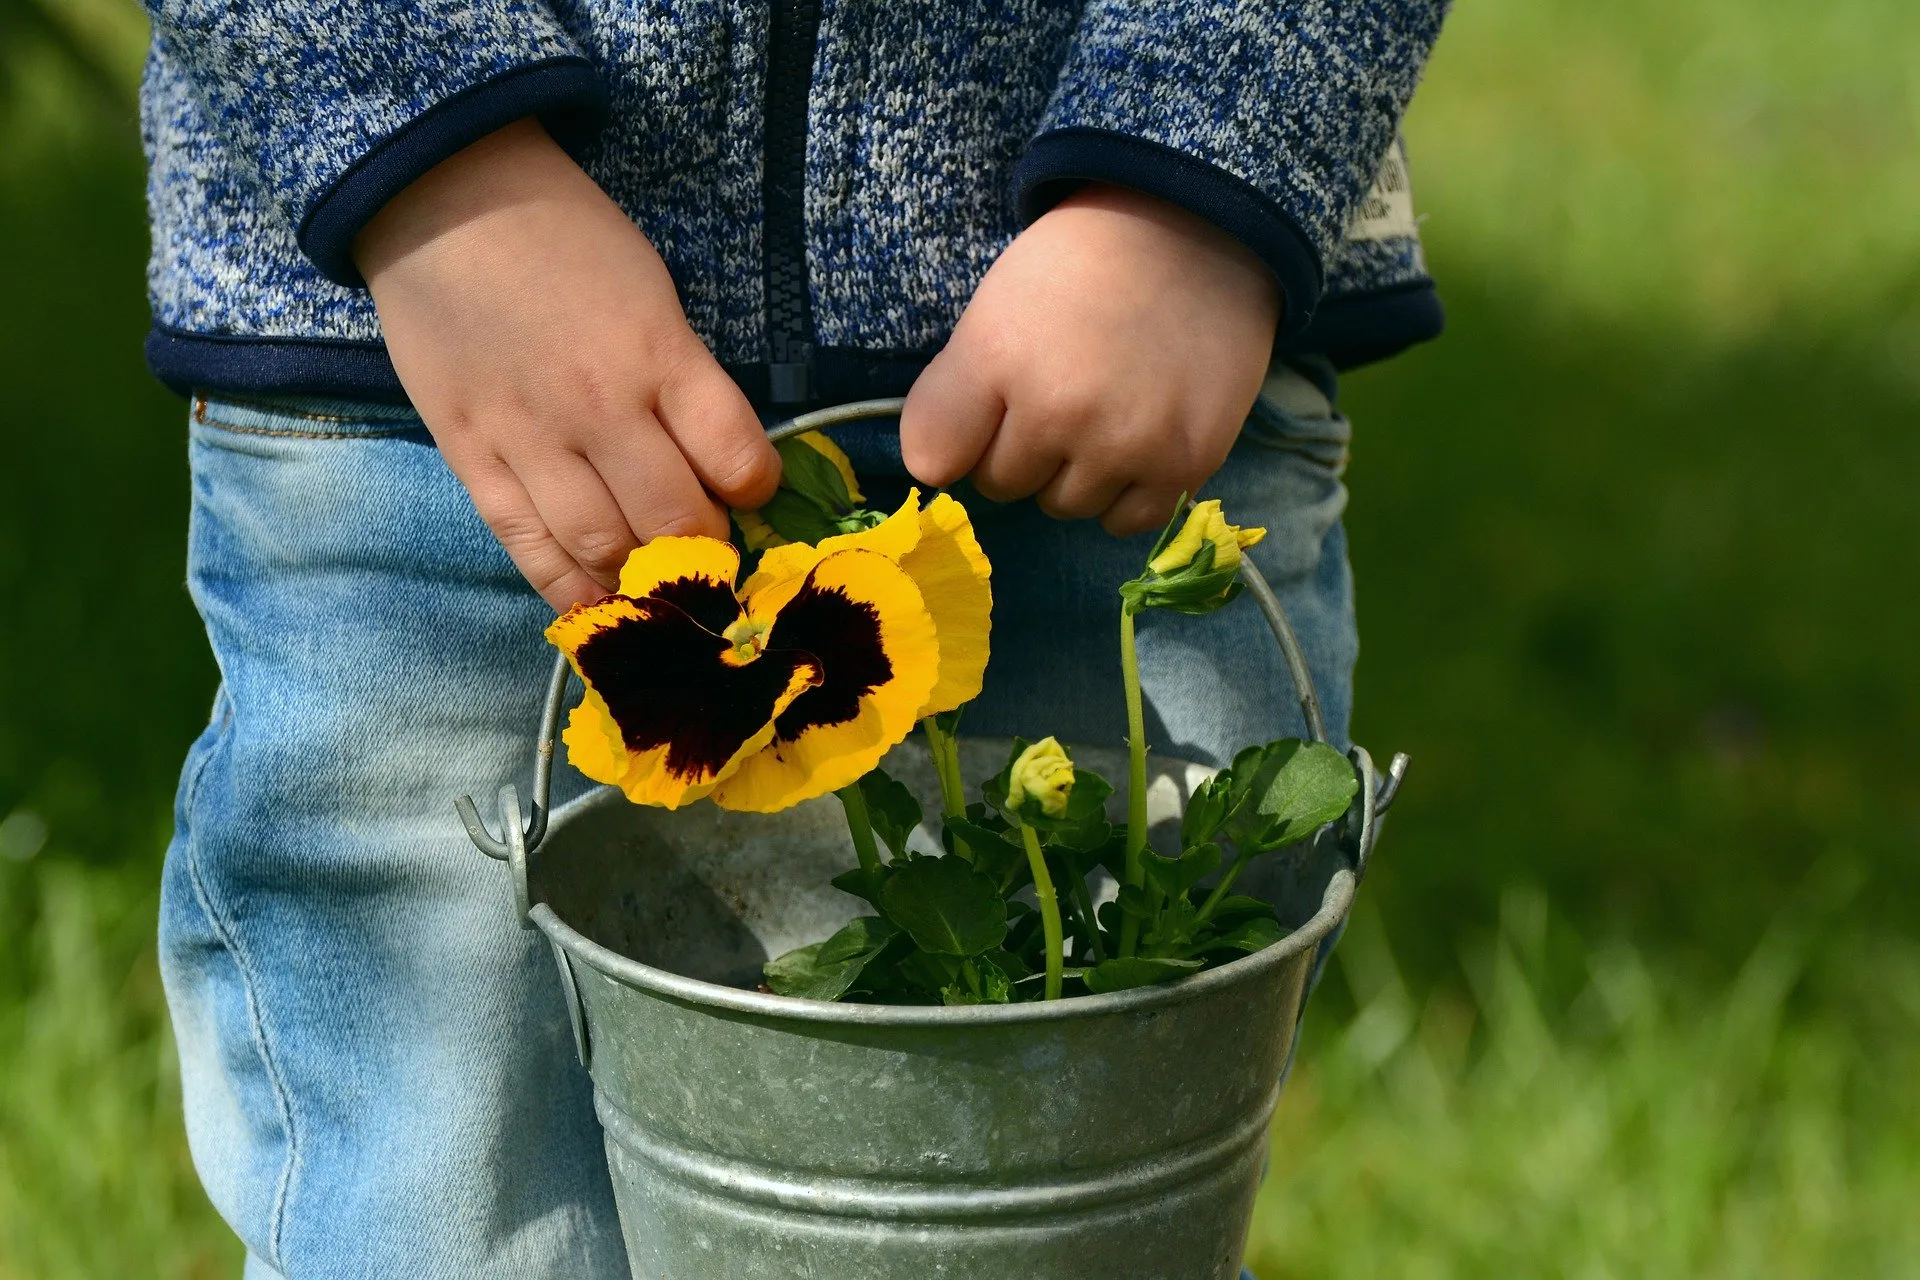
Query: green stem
(1219, 893)
(945, 751)
(860, 823)
(1136, 776)
(1049, 909)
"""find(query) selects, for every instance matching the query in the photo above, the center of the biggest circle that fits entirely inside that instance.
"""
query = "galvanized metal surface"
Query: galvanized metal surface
(751, 1136)
(754, 1136)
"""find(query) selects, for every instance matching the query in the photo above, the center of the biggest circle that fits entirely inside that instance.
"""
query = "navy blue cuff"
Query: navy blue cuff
(1058, 162)
(1361, 328)
(566, 93)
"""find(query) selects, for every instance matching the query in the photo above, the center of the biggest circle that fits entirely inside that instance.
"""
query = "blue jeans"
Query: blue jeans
(378, 1071)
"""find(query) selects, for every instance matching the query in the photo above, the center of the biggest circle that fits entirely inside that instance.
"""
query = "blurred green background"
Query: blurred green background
(1635, 989)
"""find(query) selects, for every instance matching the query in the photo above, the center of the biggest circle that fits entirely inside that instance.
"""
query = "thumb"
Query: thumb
(951, 416)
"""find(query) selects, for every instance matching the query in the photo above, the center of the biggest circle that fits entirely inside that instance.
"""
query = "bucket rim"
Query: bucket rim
(1335, 901)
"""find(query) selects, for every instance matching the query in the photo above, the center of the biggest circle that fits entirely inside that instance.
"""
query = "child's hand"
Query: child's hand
(539, 335)
(1106, 363)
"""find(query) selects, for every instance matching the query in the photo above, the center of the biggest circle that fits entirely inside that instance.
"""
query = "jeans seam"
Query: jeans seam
(229, 938)
(203, 417)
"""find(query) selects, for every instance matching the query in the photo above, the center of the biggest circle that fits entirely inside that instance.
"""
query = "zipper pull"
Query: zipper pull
(790, 372)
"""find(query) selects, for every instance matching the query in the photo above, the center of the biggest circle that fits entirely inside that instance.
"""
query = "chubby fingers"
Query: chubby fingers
(715, 429)
(509, 511)
(951, 416)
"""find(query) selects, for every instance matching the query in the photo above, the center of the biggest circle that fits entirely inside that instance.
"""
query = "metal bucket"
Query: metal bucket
(753, 1136)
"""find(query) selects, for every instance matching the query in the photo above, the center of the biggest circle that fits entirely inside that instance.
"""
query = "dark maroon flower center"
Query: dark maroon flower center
(845, 634)
(664, 678)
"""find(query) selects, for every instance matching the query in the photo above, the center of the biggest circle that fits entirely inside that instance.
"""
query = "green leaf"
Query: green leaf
(1174, 876)
(928, 973)
(1025, 936)
(798, 518)
(861, 936)
(1136, 971)
(1039, 976)
(1008, 963)
(1173, 928)
(1313, 786)
(1168, 534)
(862, 883)
(948, 722)
(1087, 801)
(1238, 906)
(1248, 936)
(828, 970)
(1206, 809)
(892, 808)
(1132, 901)
(995, 788)
(948, 907)
(1285, 791)
(994, 854)
(807, 472)
(981, 982)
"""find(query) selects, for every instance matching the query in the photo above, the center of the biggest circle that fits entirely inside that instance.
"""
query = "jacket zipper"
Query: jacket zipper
(793, 31)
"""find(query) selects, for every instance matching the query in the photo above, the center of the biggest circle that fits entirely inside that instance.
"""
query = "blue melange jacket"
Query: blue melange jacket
(826, 179)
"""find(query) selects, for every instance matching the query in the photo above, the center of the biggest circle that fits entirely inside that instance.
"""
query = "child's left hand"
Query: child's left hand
(1106, 363)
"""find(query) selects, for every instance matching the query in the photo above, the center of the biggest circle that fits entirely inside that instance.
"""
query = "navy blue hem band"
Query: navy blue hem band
(198, 362)
(190, 362)
(1057, 161)
(566, 93)
(1362, 328)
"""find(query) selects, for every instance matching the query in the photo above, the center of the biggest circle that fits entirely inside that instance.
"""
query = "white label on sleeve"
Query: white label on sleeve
(1387, 212)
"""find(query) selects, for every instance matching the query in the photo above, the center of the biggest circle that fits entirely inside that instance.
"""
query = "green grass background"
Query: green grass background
(1635, 988)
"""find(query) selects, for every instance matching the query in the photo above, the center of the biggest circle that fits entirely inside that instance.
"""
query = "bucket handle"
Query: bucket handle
(517, 843)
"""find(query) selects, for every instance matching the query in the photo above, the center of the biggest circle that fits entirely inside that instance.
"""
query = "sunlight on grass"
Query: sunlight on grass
(1636, 1132)
(94, 1175)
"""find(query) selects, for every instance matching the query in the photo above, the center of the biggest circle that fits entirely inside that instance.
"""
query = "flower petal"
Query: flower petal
(695, 574)
(666, 715)
(955, 581)
(860, 616)
(892, 538)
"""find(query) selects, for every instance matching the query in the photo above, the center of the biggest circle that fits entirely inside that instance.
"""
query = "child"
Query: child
(476, 294)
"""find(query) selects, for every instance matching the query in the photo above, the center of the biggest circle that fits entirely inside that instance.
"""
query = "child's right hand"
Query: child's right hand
(540, 337)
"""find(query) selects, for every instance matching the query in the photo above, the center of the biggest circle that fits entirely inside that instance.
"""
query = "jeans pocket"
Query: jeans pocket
(1284, 474)
(1293, 415)
(303, 418)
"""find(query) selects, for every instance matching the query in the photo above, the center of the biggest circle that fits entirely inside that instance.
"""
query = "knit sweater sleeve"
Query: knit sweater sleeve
(339, 104)
(1267, 119)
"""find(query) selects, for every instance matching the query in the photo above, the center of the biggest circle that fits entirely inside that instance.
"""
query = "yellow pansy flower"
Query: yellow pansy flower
(791, 687)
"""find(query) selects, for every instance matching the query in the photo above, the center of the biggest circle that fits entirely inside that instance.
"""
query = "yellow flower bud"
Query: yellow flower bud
(1042, 772)
(1205, 525)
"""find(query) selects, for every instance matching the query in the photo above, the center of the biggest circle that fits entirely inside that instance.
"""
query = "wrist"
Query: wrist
(508, 167)
(1162, 227)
